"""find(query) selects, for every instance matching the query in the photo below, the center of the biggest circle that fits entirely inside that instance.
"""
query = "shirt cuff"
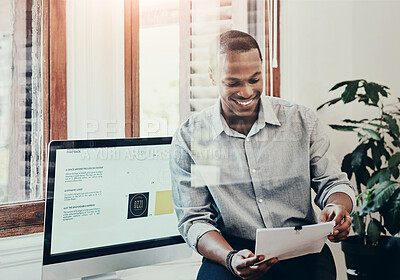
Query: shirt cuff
(196, 231)
(343, 189)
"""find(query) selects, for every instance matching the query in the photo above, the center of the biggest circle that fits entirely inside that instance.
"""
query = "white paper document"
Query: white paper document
(289, 242)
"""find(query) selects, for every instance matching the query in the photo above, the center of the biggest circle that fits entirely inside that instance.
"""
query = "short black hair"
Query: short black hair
(232, 41)
(237, 41)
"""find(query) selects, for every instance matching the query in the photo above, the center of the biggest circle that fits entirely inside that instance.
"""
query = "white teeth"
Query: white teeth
(244, 103)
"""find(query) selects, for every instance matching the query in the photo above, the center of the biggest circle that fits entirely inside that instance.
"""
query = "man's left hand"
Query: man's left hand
(342, 219)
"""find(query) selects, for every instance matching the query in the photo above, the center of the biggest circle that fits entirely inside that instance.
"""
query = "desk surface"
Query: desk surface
(185, 269)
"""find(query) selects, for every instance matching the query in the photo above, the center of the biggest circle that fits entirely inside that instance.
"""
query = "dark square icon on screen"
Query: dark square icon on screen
(138, 205)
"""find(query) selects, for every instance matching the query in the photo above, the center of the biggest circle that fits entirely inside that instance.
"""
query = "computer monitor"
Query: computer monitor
(108, 207)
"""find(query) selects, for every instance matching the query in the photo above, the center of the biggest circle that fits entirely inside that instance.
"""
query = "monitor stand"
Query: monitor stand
(104, 276)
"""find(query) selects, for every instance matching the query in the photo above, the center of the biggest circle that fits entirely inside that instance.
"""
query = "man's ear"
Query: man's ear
(211, 75)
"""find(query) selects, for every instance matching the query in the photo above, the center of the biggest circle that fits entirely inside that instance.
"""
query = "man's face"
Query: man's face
(240, 82)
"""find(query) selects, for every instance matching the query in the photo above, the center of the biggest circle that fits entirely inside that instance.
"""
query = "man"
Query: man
(249, 162)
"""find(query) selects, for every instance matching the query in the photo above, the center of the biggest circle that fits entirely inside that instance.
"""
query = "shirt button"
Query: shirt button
(260, 200)
(253, 170)
(247, 139)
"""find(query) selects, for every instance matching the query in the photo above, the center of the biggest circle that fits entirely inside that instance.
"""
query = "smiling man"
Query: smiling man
(250, 162)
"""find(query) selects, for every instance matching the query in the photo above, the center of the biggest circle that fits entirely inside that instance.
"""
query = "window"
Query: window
(20, 101)
(159, 66)
(24, 117)
(95, 69)
(172, 75)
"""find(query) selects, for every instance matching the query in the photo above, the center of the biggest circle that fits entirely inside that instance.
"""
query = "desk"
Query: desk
(185, 269)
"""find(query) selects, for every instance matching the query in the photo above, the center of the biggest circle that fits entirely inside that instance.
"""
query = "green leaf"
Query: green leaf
(373, 231)
(382, 149)
(372, 92)
(395, 172)
(362, 176)
(378, 88)
(376, 155)
(362, 137)
(394, 160)
(358, 224)
(391, 213)
(358, 156)
(369, 162)
(382, 90)
(369, 196)
(393, 127)
(354, 121)
(346, 165)
(363, 98)
(338, 85)
(396, 142)
(381, 227)
(372, 134)
(395, 138)
(379, 125)
(385, 175)
(330, 102)
(343, 127)
(374, 179)
(356, 159)
(381, 194)
(349, 93)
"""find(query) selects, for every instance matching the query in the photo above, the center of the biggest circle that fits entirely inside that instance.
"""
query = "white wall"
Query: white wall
(324, 42)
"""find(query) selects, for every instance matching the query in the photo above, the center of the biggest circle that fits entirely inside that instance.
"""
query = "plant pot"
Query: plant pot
(369, 262)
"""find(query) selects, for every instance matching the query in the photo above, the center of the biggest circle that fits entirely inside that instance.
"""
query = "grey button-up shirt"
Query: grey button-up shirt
(225, 181)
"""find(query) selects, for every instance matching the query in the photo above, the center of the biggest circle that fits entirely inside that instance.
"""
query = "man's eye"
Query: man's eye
(233, 84)
(253, 81)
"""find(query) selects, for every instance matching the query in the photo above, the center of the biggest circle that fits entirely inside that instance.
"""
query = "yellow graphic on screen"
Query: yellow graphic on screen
(164, 203)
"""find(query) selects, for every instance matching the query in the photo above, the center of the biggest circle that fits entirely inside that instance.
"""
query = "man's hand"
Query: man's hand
(342, 219)
(244, 265)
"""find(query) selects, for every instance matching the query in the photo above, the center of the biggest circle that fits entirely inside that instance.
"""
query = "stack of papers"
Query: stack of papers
(289, 242)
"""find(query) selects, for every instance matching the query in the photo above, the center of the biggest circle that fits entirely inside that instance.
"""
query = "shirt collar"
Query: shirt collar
(266, 114)
(217, 119)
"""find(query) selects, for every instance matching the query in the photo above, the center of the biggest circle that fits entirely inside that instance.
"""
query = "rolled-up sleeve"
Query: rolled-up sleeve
(326, 176)
(193, 205)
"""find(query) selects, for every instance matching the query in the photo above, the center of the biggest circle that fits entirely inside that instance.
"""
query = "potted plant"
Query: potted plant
(375, 165)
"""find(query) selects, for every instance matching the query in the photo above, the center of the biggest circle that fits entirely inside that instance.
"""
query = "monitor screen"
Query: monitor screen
(107, 197)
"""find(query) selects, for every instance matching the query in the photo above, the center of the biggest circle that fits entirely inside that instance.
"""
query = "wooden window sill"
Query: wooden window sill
(21, 218)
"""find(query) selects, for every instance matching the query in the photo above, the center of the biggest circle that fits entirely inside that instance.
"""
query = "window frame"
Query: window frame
(132, 90)
(27, 217)
(273, 78)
